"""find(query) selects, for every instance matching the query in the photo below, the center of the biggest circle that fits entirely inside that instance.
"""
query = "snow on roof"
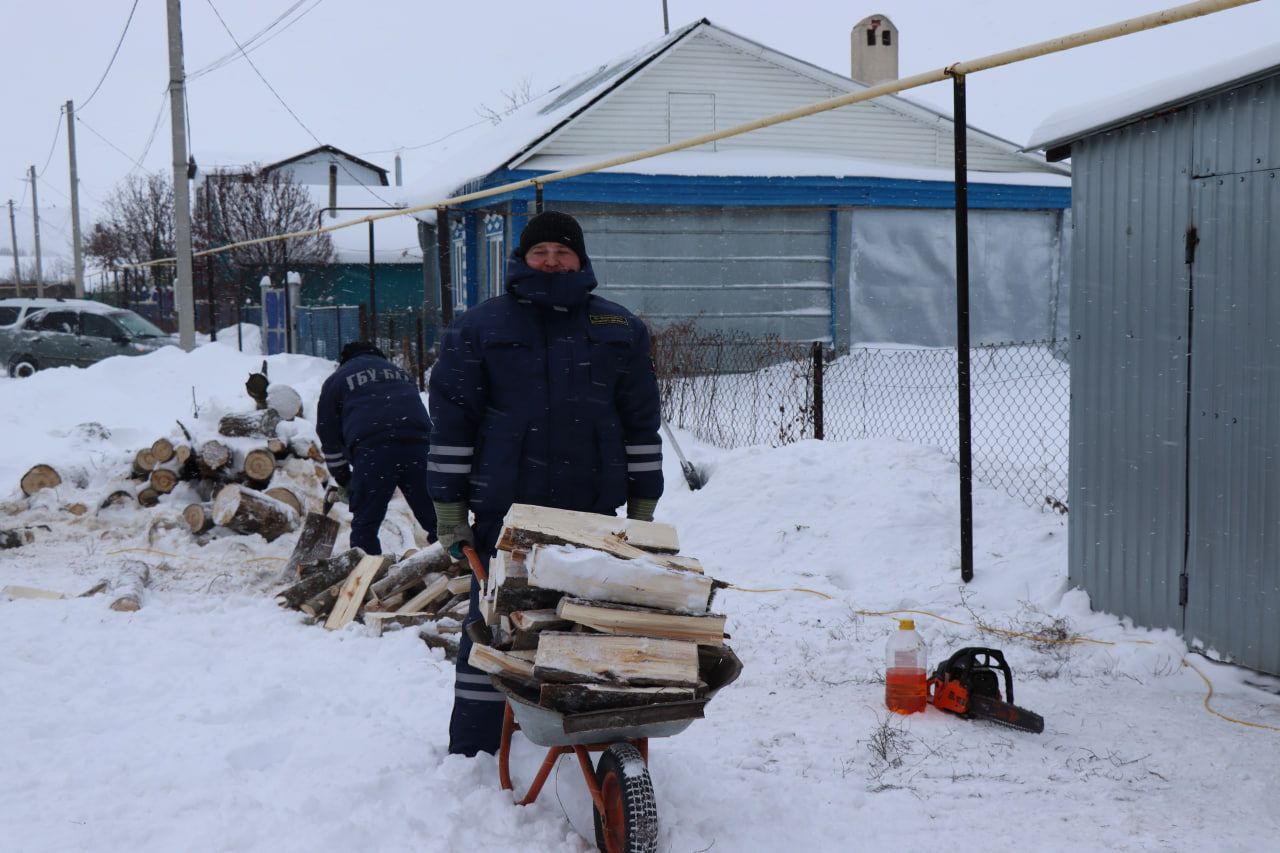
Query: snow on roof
(470, 156)
(766, 163)
(1085, 119)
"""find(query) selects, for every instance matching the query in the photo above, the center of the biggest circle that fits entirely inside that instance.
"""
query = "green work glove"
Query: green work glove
(641, 509)
(452, 528)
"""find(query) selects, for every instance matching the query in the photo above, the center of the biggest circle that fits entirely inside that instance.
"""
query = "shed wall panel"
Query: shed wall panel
(1234, 567)
(1129, 316)
(1175, 420)
(1239, 130)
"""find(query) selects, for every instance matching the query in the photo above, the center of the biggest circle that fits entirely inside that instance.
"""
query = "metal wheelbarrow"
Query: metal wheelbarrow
(624, 808)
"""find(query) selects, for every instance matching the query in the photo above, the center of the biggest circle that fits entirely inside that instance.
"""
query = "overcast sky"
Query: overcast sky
(375, 76)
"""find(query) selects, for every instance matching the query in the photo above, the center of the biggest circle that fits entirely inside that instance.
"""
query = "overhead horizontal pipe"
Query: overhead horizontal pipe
(1126, 27)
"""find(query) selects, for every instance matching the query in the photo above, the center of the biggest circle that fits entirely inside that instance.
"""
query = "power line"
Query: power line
(118, 149)
(55, 189)
(252, 42)
(57, 131)
(286, 106)
(508, 111)
(114, 54)
(155, 127)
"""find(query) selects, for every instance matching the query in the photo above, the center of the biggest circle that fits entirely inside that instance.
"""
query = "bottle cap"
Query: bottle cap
(906, 624)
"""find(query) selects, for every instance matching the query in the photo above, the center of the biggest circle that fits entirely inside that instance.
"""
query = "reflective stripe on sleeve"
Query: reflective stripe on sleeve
(474, 679)
(448, 469)
(644, 466)
(452, 451)
(635, 449)
(478, 696)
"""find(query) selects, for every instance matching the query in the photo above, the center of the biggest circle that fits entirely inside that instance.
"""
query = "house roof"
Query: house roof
(329, 149)
(1059, 130)
(514, 143)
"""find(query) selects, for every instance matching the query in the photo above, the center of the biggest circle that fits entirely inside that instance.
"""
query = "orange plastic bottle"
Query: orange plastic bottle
(905, 672)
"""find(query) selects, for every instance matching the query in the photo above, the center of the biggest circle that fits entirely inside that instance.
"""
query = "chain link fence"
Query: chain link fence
(734, 392)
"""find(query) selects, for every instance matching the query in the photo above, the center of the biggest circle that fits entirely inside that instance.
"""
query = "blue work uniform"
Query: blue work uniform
(375, 435)
(545, 395)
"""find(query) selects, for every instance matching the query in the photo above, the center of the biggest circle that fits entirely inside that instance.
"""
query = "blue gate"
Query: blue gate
(323, 331)
(273, 325)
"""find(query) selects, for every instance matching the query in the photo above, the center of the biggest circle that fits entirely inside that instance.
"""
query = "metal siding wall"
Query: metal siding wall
(1129, 368)
(747, 88)
(1239, 130)
(750, 270)
(1234, 570)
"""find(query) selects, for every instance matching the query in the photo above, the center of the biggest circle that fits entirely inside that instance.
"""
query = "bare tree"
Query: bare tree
(515, 97)
(232, 208)
(138, 225)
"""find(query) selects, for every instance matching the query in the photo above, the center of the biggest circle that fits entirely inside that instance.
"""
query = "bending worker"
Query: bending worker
(374, 432)
(544, 395)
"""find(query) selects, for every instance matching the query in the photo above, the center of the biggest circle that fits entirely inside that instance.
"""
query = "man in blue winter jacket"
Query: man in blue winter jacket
(544, 395)
(375, 432)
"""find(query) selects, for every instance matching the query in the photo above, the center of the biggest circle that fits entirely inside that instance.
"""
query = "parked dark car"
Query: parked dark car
(76, 335)
(13, 309)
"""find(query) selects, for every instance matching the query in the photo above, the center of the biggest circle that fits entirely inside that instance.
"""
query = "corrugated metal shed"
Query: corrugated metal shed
(1175, 420)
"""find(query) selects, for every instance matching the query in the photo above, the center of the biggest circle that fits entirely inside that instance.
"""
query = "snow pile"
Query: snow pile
(211, 719)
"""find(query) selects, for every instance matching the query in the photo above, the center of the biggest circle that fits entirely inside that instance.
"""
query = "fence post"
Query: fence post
(817, 390)
(364, 324)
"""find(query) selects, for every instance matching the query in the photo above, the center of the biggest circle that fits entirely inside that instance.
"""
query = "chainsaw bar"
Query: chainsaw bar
(999, 711)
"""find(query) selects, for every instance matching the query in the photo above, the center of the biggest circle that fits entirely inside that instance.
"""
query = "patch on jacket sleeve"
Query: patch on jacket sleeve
(608, 319)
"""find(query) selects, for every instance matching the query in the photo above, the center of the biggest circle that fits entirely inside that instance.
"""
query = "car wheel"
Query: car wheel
(22, 366)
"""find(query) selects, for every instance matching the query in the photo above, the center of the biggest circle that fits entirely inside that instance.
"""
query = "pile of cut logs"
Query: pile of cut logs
(247, 480)
(587, 613)
(424, 589)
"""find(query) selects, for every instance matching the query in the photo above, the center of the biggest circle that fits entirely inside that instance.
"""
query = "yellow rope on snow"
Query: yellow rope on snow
(781, 589)
(1209, 684)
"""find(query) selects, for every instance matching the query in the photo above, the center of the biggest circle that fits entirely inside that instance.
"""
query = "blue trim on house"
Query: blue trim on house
(728, 191)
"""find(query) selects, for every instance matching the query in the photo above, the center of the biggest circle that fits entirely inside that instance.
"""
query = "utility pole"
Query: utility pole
(35, 224)
(666, 21)
(77, 257)
(13, 235)
(184, 296)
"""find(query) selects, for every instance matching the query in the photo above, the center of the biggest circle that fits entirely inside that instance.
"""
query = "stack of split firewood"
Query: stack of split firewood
(248, 479)
(423, 589)
(588, 612)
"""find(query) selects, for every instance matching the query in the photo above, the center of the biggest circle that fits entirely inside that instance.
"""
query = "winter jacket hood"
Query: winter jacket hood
(549, 289)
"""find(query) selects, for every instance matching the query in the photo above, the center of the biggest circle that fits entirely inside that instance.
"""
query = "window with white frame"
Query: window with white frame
(494, 239)
(458, 264)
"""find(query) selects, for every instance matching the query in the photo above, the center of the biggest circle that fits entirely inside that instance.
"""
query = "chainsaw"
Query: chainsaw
(967, 684)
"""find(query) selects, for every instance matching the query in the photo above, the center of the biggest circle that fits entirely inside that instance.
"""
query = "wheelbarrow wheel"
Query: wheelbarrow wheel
(630, 823)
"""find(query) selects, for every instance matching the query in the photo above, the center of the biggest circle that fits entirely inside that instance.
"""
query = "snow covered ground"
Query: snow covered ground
(213, 720)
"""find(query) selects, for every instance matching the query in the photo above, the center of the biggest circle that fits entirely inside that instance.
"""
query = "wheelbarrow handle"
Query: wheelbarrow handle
(473, 559)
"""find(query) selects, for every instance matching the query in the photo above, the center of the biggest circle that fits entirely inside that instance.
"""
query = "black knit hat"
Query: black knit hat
(355, 348)
(552, 226)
